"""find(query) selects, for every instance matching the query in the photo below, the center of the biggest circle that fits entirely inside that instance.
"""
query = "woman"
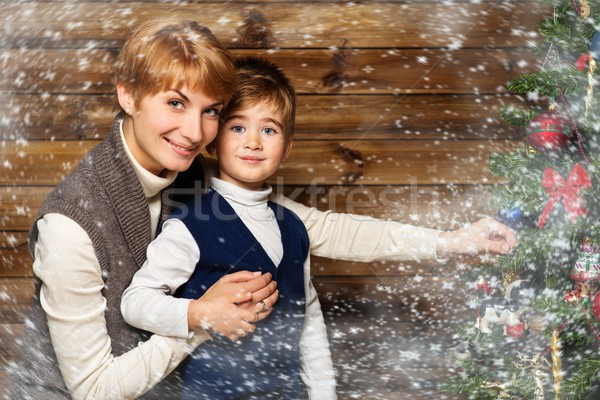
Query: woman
(91, 234)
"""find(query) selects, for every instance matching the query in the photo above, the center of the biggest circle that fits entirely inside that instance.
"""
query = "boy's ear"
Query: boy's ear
(124, 98)
(288, 148)
(211, 148)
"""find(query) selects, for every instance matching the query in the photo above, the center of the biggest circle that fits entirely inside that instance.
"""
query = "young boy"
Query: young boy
(235, 227)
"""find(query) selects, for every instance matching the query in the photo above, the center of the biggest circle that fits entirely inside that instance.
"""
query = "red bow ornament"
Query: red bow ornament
(556, 186)
(583, 61)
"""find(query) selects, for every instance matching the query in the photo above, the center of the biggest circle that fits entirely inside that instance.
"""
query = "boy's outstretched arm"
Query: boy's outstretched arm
(360, 238)
(484, 236)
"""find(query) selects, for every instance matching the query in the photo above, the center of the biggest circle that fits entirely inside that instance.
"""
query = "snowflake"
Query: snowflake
(386, 289)
(337, 334)
(410, 355)
(522, 63)
(435, 347)
(461, 266)
(455, 45)
(368, 69)
(533, 96)
(431, 169)
(354, 330)
(84, 63)
(422, 60)
(517, 32)
(73, 25)
(448, 285)
(223, 21)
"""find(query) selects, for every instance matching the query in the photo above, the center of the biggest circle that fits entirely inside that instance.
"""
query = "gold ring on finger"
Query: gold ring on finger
(264, 306)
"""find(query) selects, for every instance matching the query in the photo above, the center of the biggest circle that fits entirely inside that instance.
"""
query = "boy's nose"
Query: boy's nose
(252, 141)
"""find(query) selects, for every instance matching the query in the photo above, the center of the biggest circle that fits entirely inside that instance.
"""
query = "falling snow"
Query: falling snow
(431, 84)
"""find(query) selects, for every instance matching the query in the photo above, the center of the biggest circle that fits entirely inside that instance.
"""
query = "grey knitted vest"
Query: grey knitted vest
(104, 196)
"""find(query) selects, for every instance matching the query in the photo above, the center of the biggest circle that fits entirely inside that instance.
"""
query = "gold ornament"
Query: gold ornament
(500, 387)
(537, 323)
(585, 9)
(555, 353)
(508, 277)
(590, 88)
(537, 372)
(531, 151)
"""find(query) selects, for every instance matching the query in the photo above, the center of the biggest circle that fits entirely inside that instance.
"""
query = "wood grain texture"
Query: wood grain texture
(313, 71)
(319, 117)
(285, 25)
(378, 162)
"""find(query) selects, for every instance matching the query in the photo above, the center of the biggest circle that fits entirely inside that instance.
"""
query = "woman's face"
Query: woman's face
(167, 130)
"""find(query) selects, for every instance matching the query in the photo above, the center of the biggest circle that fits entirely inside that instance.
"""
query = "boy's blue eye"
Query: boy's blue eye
(237, 128)
(269, 131)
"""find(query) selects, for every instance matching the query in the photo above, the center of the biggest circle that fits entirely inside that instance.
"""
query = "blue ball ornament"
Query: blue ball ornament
(595, 46)
(512, 217)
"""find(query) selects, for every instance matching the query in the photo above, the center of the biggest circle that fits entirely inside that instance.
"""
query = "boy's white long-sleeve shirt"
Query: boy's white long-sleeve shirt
(171, 261)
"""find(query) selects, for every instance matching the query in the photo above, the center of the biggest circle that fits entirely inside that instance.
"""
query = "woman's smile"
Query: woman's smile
(181, 149)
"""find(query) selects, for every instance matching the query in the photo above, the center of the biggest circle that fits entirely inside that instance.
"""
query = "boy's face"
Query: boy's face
(168, 130)
(251, 145)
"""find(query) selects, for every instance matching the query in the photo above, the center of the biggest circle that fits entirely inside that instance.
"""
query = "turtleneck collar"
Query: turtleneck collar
(151, 184)
(236, 194)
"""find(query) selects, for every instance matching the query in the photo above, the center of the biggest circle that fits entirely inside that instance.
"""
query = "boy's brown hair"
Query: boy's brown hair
(163, 54)
(260, 81)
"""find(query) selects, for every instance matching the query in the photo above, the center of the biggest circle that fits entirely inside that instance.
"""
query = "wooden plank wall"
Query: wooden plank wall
(398, 113)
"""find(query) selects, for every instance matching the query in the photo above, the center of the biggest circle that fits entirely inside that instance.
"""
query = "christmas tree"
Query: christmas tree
(535, 332)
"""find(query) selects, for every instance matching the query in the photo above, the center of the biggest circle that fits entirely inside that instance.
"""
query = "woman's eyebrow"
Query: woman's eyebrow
(180, 93)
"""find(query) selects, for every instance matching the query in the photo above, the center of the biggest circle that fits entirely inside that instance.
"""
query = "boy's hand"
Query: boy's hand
(233, 304)
(484, 236)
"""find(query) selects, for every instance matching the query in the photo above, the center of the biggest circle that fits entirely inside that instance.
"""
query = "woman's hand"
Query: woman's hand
(262, 300)
(484, 236)
(233, 304)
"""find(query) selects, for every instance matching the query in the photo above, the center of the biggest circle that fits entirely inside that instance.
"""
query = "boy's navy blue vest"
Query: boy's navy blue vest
(266, 363)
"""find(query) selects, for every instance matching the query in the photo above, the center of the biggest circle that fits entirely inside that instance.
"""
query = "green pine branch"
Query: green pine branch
(570, 80)
(584, 379)
(518, 116)
(568, 32)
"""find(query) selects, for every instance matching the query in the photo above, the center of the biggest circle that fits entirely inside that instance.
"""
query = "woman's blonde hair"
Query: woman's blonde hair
(165, 54)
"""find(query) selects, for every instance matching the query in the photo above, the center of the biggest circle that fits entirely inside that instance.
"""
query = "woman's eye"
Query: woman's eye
(213, 112)
(176, 104)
